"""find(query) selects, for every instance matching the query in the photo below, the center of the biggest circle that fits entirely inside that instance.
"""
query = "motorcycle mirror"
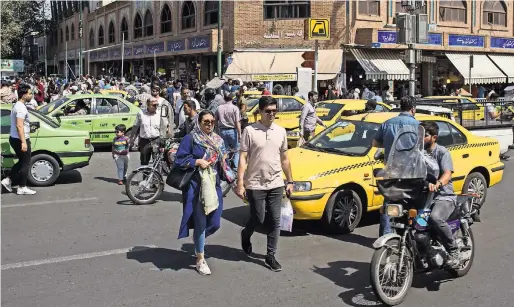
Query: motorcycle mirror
(379, 154)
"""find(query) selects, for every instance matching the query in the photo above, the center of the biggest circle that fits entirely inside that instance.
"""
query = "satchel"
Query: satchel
(179, 178)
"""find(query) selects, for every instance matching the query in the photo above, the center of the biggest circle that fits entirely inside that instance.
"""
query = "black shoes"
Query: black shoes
(246, 245)
(273, 264)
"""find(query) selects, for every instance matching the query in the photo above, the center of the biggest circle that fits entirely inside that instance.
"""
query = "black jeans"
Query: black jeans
(145, 152)
(20, 170)
(265, 208)
(441, 211)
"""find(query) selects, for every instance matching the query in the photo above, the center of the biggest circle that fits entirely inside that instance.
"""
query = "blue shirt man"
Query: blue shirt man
(385, 136)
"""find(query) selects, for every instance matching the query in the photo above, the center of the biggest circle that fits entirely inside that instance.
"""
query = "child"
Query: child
(120, 150)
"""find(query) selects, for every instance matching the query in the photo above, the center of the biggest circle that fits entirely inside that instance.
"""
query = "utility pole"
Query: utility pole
(315, 78)
(66, 59)
(219, 38)
(154, 63)
(80, 38)
(44, 29)
(122, 53)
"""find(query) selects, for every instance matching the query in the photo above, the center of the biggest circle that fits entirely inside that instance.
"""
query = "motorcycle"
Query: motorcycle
(414, 247)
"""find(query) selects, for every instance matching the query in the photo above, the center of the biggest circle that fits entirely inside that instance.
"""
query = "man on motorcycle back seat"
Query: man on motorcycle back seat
(445, 201)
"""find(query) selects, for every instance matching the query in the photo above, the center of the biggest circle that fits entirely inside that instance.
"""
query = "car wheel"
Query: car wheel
(43, 170)
(343, 212)
(476, 183)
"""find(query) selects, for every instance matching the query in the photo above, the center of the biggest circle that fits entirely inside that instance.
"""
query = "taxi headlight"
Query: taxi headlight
(394, 210)
(302, 186)
(293, 134)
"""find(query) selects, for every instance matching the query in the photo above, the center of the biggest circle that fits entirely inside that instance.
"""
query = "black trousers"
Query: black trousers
(265, 208)
(20, 170)
(145, 152)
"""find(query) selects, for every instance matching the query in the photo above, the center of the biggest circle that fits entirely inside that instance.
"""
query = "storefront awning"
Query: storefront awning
(280, 66)
(483, 72)
(506, 64)
(381, 64)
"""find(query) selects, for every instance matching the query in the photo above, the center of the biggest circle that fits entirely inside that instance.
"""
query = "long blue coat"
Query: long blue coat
(187, 154)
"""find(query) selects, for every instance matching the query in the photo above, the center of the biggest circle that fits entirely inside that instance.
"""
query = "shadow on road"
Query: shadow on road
(354, 277)
(431, 281)
(109, 180)
(165, 196)
(68, 177)
(239, 216)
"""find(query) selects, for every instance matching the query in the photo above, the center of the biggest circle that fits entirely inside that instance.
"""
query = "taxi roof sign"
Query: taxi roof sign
(319, 28)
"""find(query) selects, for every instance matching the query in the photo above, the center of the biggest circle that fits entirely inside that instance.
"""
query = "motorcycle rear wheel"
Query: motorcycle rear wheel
(155, 187)
(381, 271)
(465, 263)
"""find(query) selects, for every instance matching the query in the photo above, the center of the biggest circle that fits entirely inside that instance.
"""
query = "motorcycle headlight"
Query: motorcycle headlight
(394, 210)
(302, 186)
(293, 133)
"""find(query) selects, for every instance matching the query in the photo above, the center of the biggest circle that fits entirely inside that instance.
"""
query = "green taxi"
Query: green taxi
(103, 113)
(54, 148)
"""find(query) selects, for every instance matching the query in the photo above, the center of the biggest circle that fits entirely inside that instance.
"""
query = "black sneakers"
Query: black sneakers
(273, 264)
(246, 245)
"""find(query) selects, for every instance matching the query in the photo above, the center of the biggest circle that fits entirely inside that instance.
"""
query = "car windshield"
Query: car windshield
(53, 106)
(251, 103)
(333, 109)
(352, 138)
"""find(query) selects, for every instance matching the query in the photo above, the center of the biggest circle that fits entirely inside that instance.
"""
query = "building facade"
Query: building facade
(264, 40)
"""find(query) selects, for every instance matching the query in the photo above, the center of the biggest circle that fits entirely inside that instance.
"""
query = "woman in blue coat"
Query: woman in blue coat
(202, 148)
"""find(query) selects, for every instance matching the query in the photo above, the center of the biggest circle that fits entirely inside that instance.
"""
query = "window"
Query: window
(445, 135)
(211, 13)
(109, 106)
(495, 13)
(148, 23)
(62, 36)
(453, 10)
(399, 9)
(166, 19)
(100, 36)
(6, 121)
(288, 9)
(67, 33)
(290, 104)
(111, 33)
(188, 15)
(369, 7)
(138, 27)
(124, 29)
(72, 31)
(91, 38)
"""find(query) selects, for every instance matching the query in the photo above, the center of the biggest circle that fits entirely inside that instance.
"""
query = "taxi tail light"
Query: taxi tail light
(87, 143)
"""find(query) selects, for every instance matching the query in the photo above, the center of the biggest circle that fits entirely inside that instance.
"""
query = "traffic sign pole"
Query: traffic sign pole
(315, 78)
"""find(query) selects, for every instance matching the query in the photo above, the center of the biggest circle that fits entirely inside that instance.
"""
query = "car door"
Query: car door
(78, 122)
(108, 113)
(455, 141)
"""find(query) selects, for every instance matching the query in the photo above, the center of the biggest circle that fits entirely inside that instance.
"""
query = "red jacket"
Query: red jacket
(40, 97)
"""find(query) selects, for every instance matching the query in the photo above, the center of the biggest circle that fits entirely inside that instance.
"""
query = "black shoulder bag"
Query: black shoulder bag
(180, 178)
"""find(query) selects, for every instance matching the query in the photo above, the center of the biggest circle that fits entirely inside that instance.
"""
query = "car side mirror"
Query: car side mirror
(379, 155)
(34, 126)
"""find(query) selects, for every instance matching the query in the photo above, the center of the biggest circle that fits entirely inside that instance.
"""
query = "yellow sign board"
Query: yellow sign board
(278, 77)
(319, 28)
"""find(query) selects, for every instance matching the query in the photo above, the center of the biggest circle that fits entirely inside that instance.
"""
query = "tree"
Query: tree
(18, 19)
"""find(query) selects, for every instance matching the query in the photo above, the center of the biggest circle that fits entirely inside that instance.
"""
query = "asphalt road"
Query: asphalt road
(82, 243)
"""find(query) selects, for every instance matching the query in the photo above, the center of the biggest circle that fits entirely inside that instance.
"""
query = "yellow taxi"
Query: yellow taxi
(330, 111)
(334, 173)
(252, 94)
(122, 94)
(471, 109)
(288, 107)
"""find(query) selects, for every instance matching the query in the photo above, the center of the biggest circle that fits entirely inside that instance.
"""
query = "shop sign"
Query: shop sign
(93, 55)
(178, 45)
(103, 55)
(502, 42)
(6, 65)
(115, 53)
(280, 77)
(18, 65)
(455, 40)
(127, 51)
(199, 42)
(435, 39)
(157, 47)
(387, 37)
(71, 54)
(139, 50)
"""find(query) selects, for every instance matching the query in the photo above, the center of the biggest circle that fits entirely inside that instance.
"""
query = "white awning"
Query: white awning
(280, 66)
(506, 64)
(381, 64)
(483, 72)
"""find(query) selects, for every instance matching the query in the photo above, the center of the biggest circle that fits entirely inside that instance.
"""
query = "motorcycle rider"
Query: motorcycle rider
(208, 95)
(445, 201)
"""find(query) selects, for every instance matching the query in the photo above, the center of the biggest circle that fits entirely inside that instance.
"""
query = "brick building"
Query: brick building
(264, 40)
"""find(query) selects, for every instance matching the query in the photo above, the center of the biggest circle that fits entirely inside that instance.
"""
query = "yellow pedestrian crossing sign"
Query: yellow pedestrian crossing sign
(319, 28)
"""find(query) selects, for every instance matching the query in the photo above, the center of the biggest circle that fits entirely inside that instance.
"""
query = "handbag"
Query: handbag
(179, 178)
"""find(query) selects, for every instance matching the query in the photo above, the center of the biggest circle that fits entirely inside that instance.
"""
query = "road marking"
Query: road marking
(75, 257)
(49, 202)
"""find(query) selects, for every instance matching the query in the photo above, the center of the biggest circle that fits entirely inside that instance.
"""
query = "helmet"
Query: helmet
(209, 94)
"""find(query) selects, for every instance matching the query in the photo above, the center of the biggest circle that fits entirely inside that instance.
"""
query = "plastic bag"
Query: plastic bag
(286, 215)
(208, 190)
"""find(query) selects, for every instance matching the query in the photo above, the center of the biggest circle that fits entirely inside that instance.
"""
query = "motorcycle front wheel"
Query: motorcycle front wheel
(390, 282)
(144, 186)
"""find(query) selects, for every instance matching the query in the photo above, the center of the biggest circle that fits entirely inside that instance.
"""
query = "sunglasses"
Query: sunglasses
(270, 111)
(154, 105)
(209, 122)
